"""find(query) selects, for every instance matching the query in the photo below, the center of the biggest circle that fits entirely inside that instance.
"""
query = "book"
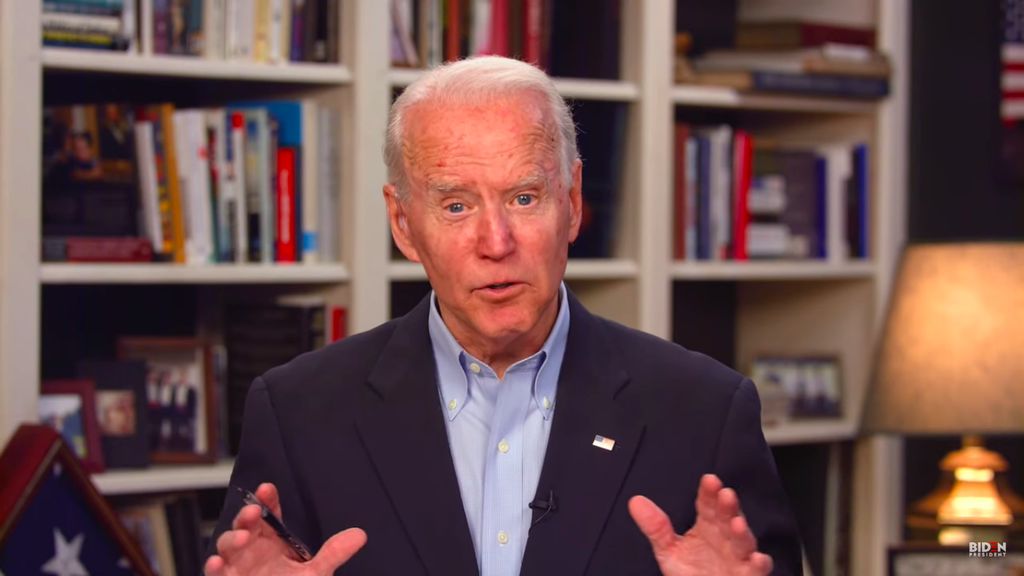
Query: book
(830, 59)
(826, 85)
(792, 34)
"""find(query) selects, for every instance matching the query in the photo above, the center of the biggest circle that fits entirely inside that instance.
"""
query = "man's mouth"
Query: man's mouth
(499, 286)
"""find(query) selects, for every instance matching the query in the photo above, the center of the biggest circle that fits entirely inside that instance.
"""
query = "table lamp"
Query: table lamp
(951, 362)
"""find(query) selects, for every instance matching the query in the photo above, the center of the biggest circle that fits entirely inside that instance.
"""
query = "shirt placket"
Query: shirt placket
(503, 479)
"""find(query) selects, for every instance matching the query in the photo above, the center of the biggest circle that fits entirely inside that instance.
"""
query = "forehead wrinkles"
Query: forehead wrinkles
(438, 137)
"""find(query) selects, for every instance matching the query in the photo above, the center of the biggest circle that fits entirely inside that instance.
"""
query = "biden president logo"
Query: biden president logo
(986, 549)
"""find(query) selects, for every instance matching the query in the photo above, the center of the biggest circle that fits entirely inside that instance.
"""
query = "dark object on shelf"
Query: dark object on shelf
(51, 516)
(121, 410)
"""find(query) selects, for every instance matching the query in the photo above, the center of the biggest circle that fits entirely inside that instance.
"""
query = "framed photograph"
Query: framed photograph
(121, 410)
(928, 559)
(68, 406)
(180, 397)
(798, 387)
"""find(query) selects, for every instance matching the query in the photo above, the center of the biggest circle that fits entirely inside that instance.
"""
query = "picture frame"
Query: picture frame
(68, 406)
(933, 559)
(798, 387)
(121, 410)
(180, 396)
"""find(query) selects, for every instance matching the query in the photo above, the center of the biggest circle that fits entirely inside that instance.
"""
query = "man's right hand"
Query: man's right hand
(252, 548)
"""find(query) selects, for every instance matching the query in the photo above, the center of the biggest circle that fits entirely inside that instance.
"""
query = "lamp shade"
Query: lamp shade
(951, 359)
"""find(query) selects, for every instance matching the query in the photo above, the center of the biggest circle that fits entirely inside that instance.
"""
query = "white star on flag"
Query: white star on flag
(65, 561)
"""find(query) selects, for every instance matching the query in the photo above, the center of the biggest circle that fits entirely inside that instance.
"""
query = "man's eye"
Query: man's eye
(455, 208)
(524, 199)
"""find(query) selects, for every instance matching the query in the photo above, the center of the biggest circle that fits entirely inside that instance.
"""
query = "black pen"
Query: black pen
(274, 522)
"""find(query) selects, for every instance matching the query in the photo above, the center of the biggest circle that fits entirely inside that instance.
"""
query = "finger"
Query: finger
(267, 493)
(761, 564)
(248, 518)
(231, 542)
(741, 539)
(728, 504)
(215, 566)
(707, 498)
(337, 550)
(653, 522)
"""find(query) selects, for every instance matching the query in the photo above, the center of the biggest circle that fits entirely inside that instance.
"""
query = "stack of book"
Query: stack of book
(98, 24)
(782, 50)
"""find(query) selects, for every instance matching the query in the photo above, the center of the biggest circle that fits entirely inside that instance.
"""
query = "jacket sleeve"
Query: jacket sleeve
(745, 463)
(262, 458)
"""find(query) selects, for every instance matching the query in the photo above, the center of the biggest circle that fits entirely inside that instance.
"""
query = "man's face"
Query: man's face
(488, 215)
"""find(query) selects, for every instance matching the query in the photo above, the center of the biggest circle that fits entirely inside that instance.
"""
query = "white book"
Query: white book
(275, 30)
(214, 29)
(721, 190)
(194, 171)
(839, 170)
(480, 32)
(236, 158)
(146, 27)
(145, 157)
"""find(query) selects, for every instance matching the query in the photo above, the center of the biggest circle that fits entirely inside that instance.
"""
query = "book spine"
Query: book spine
(286, 243)
(742, 152)
(682, 134)
(820, 84)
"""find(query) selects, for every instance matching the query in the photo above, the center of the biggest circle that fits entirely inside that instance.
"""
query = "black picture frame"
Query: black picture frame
(121, 413)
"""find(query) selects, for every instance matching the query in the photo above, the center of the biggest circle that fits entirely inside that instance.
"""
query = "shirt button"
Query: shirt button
(474, 368)
(502, 537)
(503, 446)
(452, 404)
(545, 403)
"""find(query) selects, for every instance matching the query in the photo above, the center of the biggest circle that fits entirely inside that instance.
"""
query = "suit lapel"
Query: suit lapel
(402, 429)
(584, 478)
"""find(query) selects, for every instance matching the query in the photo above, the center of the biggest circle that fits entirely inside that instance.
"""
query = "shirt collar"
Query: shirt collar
(452, 361)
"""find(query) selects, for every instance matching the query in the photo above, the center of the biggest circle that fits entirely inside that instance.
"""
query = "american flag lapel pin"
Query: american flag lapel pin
(604, 443)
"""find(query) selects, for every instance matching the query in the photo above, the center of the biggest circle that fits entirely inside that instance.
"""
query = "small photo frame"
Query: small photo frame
(180, 399)
(926, 559)
(121, 410)
(68, 406)
(798, 387)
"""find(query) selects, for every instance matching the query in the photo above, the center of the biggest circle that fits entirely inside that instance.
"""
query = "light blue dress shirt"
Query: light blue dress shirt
(498, 433)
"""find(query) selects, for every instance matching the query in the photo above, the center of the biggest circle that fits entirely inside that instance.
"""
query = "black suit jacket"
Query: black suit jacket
(352, 435)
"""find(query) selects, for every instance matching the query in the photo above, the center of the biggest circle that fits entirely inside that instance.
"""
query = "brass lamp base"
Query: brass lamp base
(969, 504)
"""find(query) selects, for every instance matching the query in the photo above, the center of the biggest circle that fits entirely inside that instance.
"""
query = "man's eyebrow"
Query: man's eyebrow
(445, 187)
(534, 181)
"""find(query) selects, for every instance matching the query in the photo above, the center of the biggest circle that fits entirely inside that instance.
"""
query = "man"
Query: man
(499, 428)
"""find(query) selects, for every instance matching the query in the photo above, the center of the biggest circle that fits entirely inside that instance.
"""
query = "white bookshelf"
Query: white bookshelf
(607, 90)
(96, 61)
(719, 97)
(62, 273)
(164, 478)
(768, 271)
(598, 269)
(810, 432)
(835, 305)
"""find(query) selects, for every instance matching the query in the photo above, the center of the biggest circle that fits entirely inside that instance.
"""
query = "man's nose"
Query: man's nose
(494, 234)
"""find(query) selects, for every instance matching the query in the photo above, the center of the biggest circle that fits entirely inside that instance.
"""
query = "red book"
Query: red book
(499, 42)
(532, 30)
(286, 244)
(742, 159)
(452, 34)
(338, 317)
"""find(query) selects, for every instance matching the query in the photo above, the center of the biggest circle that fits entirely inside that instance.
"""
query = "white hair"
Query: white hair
(473, 81)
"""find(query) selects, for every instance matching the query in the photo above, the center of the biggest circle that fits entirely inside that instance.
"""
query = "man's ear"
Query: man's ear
(399, 220)
(576, 200)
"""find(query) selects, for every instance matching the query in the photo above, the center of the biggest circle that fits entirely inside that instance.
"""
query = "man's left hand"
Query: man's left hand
(720, 541)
